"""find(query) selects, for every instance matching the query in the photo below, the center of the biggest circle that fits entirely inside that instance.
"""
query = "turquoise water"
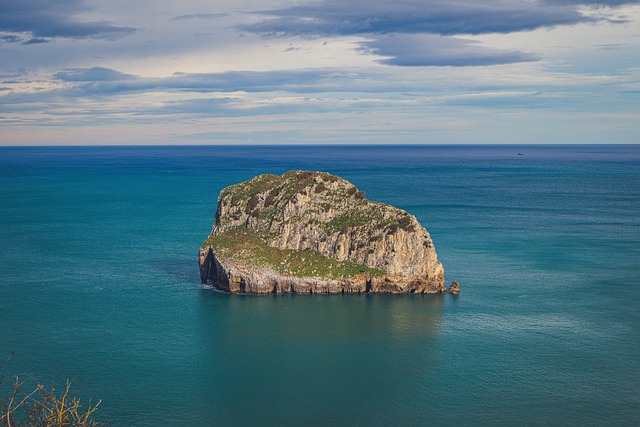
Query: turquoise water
(99, 281)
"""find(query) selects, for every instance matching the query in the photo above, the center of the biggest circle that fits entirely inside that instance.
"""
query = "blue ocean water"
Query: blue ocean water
(99, 281)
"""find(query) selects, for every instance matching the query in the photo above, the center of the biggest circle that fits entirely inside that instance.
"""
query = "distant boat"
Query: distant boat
(520, 154)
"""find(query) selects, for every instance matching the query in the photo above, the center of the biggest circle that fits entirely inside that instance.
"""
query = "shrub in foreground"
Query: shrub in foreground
(25, 402)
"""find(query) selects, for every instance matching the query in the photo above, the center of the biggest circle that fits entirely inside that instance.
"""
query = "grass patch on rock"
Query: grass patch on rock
(244, 246)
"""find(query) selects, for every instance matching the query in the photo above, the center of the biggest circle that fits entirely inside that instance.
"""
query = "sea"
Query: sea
(99, 283)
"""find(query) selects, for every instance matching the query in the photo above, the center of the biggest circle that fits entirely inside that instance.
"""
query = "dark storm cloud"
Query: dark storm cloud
(47, 19)
(429, 50)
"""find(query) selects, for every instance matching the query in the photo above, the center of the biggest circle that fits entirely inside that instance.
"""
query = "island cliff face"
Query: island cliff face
(312, 232)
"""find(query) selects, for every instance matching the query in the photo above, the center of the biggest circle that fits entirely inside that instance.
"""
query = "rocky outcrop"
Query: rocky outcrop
(312, 232)
(454, 288)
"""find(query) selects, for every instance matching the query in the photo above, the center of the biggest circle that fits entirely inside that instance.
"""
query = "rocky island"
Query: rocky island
(312, 232)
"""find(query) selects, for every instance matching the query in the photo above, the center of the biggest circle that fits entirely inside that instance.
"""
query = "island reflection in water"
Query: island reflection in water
(295, 356)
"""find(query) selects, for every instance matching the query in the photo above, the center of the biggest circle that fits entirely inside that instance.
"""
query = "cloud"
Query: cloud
(337, 17)
(200, 16)
(10, 38)
(245, 80)
(416, 23)
(104, 81)
(37, 40)
(498, 99)
(95, 74)
(48, 19)
(430, 50)
(438, 71)
(610, 3)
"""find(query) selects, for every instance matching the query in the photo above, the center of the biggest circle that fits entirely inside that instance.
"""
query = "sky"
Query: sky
(88, 72)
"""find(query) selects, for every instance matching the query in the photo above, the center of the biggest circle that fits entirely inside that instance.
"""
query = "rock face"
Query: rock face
(312, 232)
(454, 288)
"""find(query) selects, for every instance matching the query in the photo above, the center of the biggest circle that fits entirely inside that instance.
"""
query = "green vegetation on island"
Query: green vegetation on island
(313, 232)
(241, 244)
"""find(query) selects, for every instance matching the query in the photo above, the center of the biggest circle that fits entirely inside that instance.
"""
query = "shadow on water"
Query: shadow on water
(181, 270)
(294, 356)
